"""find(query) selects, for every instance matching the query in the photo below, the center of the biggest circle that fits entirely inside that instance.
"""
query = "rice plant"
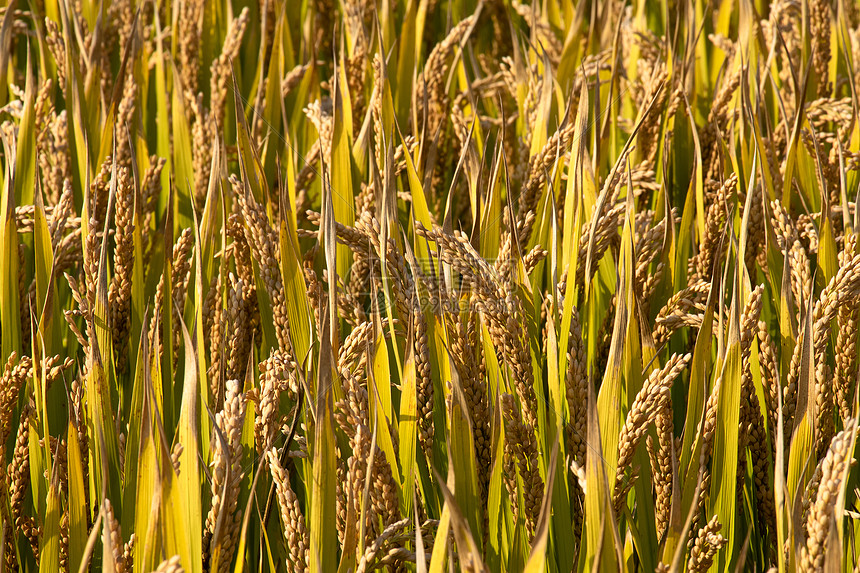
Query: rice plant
(429, 285)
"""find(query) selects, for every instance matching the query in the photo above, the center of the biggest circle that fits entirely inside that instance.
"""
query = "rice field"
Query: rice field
(429, 285)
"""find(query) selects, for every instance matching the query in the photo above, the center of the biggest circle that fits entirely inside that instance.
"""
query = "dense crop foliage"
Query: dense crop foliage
(429, 285)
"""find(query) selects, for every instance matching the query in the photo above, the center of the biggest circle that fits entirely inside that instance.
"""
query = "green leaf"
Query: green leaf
(724, 462)
(322, 553)
(49, 548)
(341, 169)
(298, 306)
(408, 430)
(465, 540)
(10, 314)
(182, 161)
(537, 558)
(188, 481)
(461, 453)
(77, 498)
(25, 151)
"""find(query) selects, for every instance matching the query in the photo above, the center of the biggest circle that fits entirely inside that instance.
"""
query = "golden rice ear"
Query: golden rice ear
(119, 295)
(171, 565)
